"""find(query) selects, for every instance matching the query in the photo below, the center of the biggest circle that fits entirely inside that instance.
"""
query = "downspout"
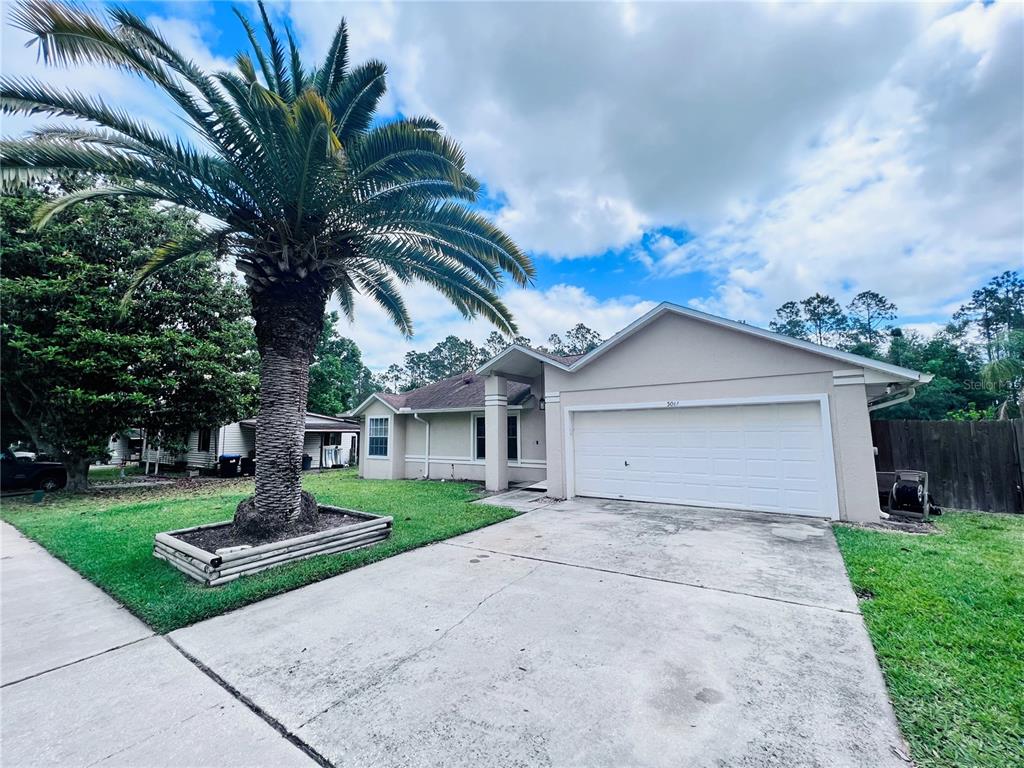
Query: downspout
(907, 395)
(426, 450)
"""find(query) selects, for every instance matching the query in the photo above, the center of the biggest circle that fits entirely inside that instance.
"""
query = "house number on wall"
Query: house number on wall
(672, 403)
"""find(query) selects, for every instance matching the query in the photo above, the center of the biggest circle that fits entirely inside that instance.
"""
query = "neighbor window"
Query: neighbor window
(377, 432)
(480, 437)
(204, 441)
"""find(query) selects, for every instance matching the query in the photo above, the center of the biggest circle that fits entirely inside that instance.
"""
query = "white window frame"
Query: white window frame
(472, 437)
(519, 438)
(387, 453)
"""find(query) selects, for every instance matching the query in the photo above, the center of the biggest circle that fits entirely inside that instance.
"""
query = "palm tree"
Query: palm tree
(1004, 373)
(310, 198)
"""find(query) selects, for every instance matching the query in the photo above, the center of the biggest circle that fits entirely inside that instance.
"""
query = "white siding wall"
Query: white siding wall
(119, 450)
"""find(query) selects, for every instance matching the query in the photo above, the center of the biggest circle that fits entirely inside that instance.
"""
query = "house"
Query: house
(330, 441)
(679, 407)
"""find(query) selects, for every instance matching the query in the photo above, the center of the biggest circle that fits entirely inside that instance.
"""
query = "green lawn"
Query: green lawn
(946, 615)
(109, 538)
(112, 474)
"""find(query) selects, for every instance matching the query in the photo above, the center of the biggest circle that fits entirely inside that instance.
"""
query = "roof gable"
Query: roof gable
(859, 361)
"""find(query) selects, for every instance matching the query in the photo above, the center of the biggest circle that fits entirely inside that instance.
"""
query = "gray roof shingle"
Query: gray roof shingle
(463, 391)
(317, 422)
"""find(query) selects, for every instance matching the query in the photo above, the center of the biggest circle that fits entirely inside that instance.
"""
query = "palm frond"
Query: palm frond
(354, 101)
(298, 74)
(402, 151)
(261, 55)
(466, 231)
(374, 283)
(332, 71)
(51, 208)
(277, 58)
(171, 252)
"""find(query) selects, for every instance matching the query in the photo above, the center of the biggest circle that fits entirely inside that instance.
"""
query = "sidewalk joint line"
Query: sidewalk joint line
(252, 706)
(77, 661)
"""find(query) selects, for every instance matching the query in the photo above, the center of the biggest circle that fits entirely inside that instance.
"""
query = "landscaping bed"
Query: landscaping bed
(108, 537)
(218, 553)
(946, 616)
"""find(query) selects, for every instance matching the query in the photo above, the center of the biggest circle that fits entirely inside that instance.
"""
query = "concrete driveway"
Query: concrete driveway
(583, 633)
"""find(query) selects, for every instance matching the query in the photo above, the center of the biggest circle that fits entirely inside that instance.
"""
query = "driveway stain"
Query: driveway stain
(709, 696)
(797, 531)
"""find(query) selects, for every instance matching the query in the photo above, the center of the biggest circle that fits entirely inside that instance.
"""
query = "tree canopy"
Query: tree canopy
(75, 369)
(977, 359)
(338, 380)
(452, 356)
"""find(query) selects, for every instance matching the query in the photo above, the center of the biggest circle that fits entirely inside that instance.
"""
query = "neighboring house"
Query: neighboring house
(125, 447)
(679, 407)
(329, 440)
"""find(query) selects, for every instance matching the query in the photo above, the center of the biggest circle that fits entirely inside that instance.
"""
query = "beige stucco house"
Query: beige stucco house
(679, 407)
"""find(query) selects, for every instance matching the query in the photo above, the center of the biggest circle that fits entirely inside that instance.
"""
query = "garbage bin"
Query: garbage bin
(307, 462)
(228, 465)
(248, 466)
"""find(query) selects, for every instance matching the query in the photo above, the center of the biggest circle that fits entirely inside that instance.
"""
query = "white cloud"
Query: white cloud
(916, 191)
(596, 121)
(805, 146)
(538, 314)
(808, 147)
(925, 329)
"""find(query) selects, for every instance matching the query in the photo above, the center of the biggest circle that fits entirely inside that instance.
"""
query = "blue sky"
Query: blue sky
(726, 157)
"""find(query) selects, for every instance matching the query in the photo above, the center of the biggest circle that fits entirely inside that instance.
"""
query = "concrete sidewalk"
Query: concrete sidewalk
(86, 683)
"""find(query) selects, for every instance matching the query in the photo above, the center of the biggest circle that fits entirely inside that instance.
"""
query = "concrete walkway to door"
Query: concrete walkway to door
(583, 633)
(85, 683)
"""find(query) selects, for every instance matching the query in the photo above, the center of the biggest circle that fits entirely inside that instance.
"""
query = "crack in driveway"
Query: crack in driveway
(647, 577)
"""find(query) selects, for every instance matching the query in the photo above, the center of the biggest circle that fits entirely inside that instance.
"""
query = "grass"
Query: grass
(111, 474)
(109, 538)
(946, 615)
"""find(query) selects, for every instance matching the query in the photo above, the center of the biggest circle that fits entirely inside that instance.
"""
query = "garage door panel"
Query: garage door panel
(766, 468)
(728, 468)
(762, 440)
(768, 457)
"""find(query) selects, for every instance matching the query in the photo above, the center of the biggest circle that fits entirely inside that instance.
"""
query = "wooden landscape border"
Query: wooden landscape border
(212, 569)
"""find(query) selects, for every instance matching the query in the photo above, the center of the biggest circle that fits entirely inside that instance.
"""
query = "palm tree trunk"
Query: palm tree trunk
(289, 319)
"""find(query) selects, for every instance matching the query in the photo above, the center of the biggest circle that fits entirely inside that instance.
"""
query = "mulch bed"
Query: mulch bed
(212, 539)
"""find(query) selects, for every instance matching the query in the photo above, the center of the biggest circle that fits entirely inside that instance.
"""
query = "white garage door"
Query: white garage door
(759, 457)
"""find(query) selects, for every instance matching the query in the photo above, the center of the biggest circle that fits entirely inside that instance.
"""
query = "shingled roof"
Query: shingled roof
(317, 422)
(463, 391)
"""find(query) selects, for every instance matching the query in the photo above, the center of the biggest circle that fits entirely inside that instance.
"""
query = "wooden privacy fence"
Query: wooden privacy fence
(970, 464)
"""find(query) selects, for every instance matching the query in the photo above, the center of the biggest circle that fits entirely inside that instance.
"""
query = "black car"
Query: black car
(22, 473)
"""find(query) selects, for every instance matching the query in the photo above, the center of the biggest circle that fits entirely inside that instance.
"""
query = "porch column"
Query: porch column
(496, 433)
